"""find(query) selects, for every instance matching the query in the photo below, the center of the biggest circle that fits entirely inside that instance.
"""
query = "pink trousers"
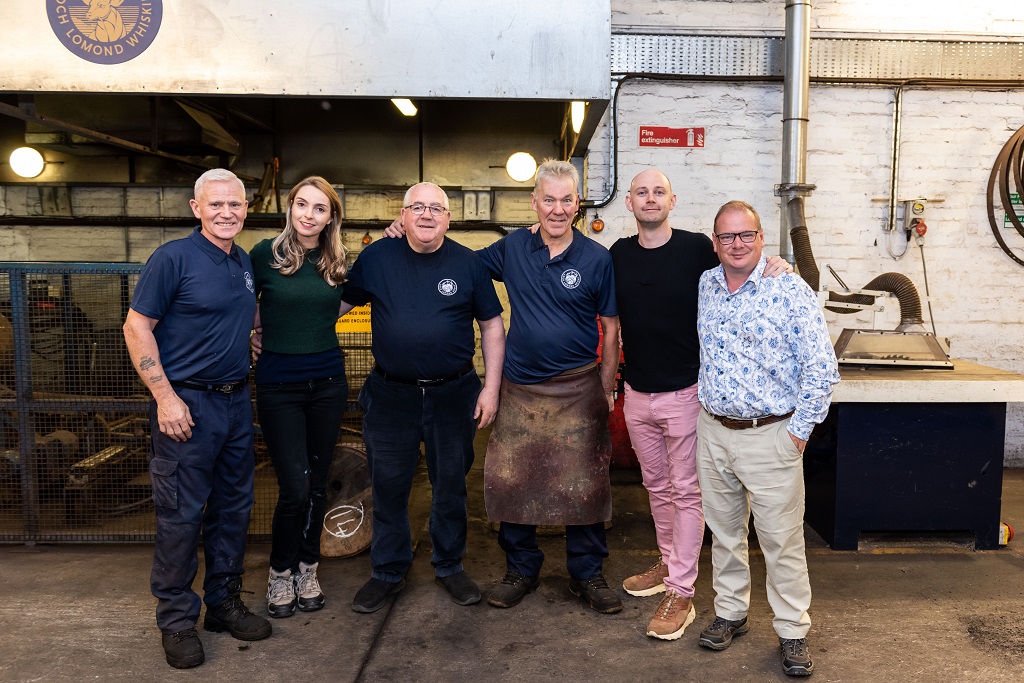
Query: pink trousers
(663, 429)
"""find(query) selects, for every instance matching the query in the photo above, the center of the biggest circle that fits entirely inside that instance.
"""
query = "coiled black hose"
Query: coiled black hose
(1007, 173)
(895, 283)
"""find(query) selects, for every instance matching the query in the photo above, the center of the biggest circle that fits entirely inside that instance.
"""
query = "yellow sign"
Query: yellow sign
(356, 320)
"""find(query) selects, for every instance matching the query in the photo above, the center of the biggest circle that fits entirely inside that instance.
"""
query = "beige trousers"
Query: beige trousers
(757, 471)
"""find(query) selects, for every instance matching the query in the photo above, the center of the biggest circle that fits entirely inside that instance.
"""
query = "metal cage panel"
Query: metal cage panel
(74, 428)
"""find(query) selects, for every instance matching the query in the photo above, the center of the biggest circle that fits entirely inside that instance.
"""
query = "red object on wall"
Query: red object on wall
(623, 455)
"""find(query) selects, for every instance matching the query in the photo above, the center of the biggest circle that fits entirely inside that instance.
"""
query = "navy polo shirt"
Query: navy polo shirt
(422, 305)
(555, 302)
(205, 302)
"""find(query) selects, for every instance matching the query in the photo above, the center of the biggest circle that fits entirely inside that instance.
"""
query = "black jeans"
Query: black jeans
(300, 422)
(398, 418)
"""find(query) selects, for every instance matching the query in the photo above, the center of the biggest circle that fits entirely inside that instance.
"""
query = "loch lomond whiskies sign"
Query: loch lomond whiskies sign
(105, 31)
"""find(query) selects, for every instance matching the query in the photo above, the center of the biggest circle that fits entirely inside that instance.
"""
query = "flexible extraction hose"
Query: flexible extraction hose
(895, 283)
(1010, 159)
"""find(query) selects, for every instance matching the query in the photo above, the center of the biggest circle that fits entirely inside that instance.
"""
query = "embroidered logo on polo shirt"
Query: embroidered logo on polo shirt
(248, 282)
(571, 279)
(447, 287)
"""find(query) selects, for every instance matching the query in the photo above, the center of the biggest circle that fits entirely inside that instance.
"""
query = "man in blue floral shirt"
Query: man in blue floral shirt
(766, 376)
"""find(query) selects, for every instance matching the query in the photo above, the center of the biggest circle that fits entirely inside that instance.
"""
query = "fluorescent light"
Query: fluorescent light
(577, 110)
(27, 162)
(521, 166)
(405, 106)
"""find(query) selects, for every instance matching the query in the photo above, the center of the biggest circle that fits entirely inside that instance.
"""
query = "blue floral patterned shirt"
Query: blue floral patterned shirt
(764, 350)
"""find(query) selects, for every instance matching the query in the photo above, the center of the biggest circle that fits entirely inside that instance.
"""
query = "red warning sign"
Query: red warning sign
(663, 136)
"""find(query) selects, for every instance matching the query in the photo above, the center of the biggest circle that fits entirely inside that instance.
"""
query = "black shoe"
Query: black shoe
(462, 589)
(796, 659)
(597, 593)
(512, 589)
(234, 617)
(183, 649)
(374, 593)
(719, 634)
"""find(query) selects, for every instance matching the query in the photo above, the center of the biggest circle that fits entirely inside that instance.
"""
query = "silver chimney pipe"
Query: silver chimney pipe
(796, 86)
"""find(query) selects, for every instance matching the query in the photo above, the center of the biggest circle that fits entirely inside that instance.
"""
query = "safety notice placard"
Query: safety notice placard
(664, 136)
(356, 320)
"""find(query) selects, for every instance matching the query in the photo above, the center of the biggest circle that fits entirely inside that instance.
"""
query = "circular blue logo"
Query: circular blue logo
(105, 31)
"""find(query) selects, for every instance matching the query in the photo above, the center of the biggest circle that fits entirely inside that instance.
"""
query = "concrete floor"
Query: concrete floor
(900, 609)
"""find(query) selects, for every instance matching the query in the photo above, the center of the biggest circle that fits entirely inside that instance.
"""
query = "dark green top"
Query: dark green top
(298, 311)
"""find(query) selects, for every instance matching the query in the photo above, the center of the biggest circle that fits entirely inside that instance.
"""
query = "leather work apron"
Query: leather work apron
(548, 454)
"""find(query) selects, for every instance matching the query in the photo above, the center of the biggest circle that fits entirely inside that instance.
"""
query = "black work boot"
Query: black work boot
(234, 617)
(183, 649)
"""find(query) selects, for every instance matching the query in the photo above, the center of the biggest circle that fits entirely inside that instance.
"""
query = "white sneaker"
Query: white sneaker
(307, 588)
(281, 593)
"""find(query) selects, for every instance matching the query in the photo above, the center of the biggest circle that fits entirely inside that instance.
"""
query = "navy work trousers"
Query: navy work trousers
(300, 422)
(203, 484)
(585, 549)
(398, 417)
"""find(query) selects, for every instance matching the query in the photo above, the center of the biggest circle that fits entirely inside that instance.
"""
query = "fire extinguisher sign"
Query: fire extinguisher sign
(663, 136)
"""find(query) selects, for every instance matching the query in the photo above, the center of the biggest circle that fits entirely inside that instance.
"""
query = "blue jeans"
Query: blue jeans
(205, 483)
(585, 549)
(300, 422)
(398, 417)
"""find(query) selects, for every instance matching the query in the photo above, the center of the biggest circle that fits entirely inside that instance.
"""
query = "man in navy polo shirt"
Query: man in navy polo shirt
(426, 292)
(548, 455)
(188, 336)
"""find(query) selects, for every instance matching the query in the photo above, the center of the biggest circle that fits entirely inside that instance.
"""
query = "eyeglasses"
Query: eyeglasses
(726, 238)
(418, 209)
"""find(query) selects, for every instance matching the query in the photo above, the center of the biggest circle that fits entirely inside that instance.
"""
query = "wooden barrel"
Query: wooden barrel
(348, 520)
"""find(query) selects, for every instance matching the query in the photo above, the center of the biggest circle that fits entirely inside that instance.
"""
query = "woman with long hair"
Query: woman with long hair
(301, 390)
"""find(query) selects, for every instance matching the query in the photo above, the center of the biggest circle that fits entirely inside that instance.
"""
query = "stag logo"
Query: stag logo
(105, 31)
(109, 24)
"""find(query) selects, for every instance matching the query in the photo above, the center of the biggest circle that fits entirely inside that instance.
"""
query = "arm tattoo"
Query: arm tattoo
(146, 363)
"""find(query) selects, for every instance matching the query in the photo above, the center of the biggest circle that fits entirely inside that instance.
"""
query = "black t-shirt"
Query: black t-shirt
(656, 291)
(422, 306)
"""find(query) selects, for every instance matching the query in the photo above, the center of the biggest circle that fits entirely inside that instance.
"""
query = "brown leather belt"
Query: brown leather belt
(733, 423)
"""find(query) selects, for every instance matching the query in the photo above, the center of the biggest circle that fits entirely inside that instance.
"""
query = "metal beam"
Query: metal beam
(75, 129)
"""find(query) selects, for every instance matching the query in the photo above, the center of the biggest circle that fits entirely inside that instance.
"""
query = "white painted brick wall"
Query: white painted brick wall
(950, 140)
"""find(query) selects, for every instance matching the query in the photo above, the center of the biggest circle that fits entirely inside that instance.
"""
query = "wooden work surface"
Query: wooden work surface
(965, 383)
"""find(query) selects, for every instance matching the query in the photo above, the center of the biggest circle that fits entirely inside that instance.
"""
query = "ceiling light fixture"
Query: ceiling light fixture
(577, 112)
(405, 106)
(521, 166)
(27, 162)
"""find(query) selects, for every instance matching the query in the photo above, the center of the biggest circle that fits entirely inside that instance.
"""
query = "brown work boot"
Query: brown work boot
(672, 617)
(651, 582)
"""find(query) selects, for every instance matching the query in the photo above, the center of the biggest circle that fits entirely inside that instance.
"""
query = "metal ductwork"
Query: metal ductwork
(794, 241)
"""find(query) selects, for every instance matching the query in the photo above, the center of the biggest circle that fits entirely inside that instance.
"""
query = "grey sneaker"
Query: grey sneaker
(280, 593)
(796, 659)
(720, 633)
(307, 588)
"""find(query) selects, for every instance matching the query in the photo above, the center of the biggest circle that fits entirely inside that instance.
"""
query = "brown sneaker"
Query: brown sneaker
(651, 582)
(672, 617)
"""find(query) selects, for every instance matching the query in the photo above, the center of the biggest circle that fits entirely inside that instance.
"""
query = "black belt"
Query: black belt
(733, 423)
(424, 382)
(228, 388)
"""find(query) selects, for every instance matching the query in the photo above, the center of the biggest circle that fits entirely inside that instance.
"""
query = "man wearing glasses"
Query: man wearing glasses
(425, 291)
(766, 376)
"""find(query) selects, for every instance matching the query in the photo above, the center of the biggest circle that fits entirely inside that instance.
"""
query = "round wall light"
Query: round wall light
(521, 166)
(27, 162)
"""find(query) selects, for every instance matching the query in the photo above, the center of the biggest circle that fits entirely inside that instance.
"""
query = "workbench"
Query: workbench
(911, 450)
